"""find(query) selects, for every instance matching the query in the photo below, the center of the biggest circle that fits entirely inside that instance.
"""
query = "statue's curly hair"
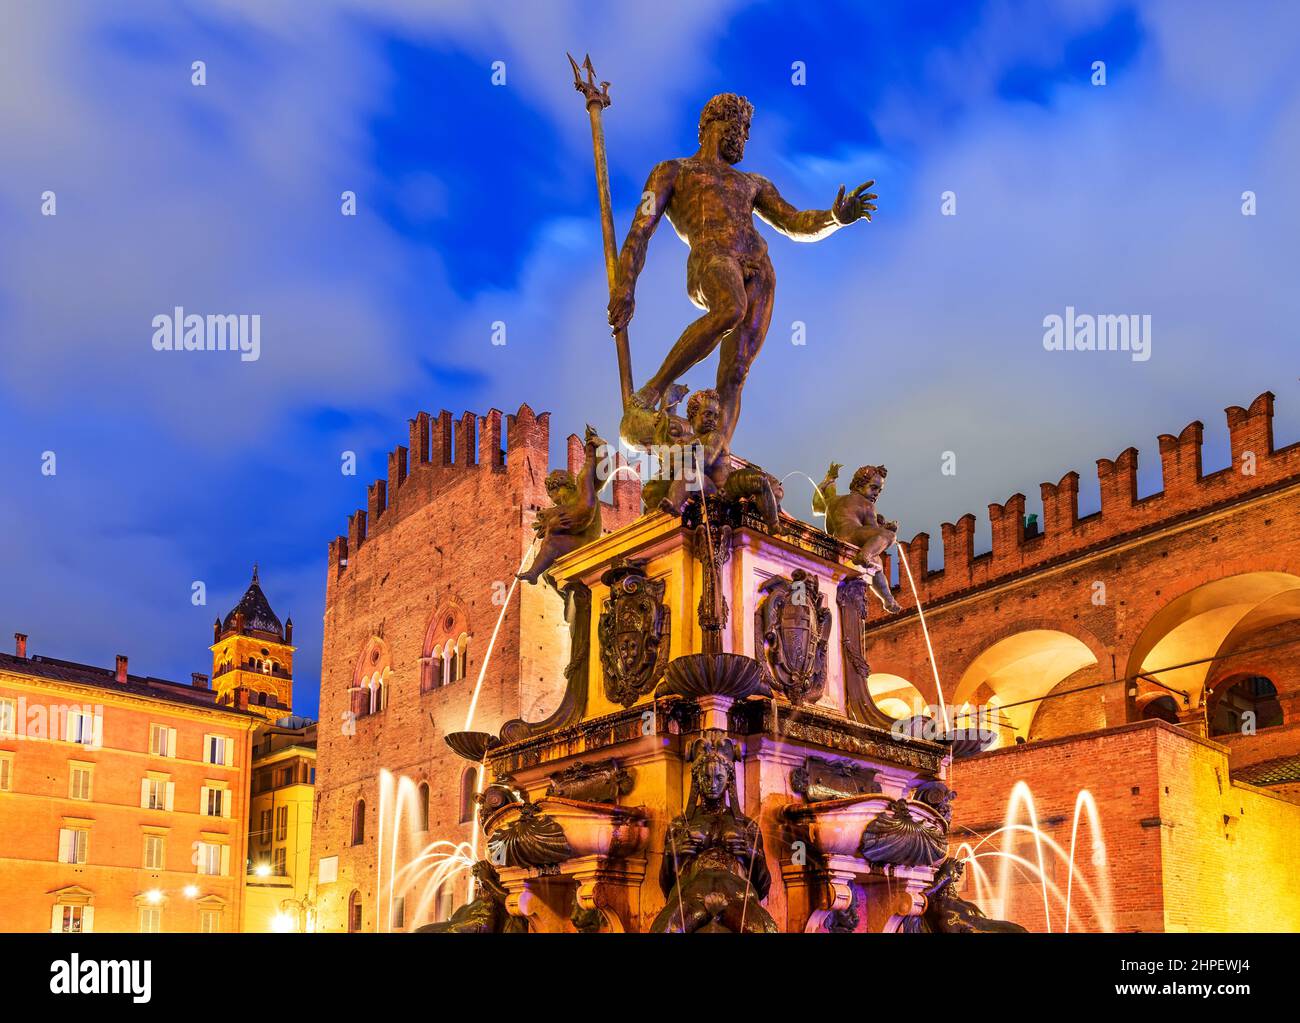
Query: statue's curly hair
(864, 474)
(726, 106)
(560, 478)
(699, 398)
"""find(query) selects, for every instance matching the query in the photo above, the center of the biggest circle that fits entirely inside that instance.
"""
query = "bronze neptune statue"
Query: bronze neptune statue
(711, 205)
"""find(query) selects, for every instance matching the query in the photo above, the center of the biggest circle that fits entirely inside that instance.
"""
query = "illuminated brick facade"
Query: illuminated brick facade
(414, 594)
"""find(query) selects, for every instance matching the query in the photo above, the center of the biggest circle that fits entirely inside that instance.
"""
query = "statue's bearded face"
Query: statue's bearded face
(735, 133)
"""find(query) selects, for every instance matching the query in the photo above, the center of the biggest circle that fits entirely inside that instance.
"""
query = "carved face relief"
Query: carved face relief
(792, 628)
(633, 633)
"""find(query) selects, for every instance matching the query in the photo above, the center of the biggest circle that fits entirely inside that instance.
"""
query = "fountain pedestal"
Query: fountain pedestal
(714, 736)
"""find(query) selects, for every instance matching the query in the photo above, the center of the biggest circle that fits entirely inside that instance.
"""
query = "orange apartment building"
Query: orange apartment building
(123, 800)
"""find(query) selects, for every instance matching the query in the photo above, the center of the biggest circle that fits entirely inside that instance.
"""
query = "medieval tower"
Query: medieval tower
(252, 656)
(413, 610)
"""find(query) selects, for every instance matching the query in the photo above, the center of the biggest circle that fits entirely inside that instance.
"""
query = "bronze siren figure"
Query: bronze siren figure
(711, 205)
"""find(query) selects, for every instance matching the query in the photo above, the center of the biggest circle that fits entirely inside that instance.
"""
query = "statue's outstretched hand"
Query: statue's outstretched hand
(857, 205)
(621, 306)
(833, 473)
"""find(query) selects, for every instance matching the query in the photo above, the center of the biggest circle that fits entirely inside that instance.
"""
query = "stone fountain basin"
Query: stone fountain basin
(592, 829)
(835, 826)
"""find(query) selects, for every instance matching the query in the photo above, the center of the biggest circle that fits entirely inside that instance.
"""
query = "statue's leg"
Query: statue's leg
(742, 345)
(719, 287)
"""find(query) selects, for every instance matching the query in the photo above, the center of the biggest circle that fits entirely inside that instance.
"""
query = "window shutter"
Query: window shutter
(207, 749)
(144, 793)
(97, 732)
(171, 792)
(65, 845)
(203, 801)
(171, 742)
(225, 803)
(228, 754)
(69, 725)
(56, 920)
(88, 920)
(225, 861)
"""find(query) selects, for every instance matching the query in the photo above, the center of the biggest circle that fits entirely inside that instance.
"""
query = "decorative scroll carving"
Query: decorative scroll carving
(792, 628)
(936, 794)
(851, 597)
(844, 921)
(633, 633)
(485, 914)
(531, 840)
(714, 871)
(593, 782)
(494, 797)
(577, 614)
(897, 838)
(820, 779)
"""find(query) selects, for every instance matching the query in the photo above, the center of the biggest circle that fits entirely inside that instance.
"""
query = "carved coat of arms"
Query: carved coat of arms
(792, 628)
(633, 633)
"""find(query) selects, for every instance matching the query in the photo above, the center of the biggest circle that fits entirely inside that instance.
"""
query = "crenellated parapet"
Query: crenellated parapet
(443, 451)
(1256, 468)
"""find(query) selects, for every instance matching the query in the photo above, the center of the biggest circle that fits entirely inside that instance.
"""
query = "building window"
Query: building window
(210, 857)
(264, 828)
(399, 912)
(359, 822)
(6, 772)
(281, 823)
(150, 919)
(423, 794)
(162, 741)
(73, 920)
(468, 792)
(74, 844)
(443, 902)
(354, 913)
(215, 802)
(217, 749)
(280, 861)
(79, 782)
(155, 855)
(80, 727)
(8, 717)
(210, 921)
(156, 794)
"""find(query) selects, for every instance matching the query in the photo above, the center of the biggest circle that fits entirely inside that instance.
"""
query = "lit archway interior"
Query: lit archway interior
(895, 695)
(1211, 621)
(1014, 674)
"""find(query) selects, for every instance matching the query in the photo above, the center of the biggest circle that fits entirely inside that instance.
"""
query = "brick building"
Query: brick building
(1148, 653)
(122, 799)
(413, 601)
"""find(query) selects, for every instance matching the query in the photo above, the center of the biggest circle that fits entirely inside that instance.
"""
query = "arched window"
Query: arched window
(446, 646)
(462, 656)
(354, 913)
(359, 822)
(468, 790)
(423, 805)
(370, 678)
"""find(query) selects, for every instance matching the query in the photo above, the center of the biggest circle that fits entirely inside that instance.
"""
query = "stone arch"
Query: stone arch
(1206, 622)
(1021, 663)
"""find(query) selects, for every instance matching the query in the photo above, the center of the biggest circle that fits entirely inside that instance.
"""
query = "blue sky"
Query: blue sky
(476, 204)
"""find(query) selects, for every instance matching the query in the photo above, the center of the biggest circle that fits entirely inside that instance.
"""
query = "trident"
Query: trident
(597, 97)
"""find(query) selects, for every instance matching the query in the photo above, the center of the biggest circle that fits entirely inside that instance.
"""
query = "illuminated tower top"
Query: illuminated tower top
(252, 656)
